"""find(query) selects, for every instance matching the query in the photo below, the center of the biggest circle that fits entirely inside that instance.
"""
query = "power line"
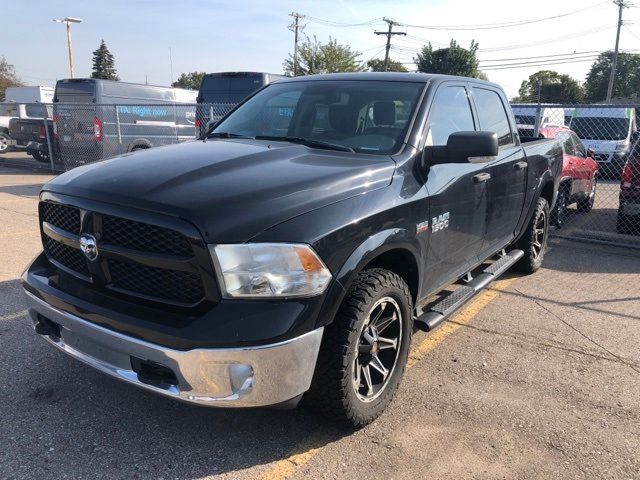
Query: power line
(332, 23)
(539, 56)
(570, 36)
(389, 33)
(542, 64)
(489, 26)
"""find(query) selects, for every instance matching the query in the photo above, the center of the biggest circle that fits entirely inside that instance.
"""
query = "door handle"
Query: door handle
(520, 165)
(481, 177)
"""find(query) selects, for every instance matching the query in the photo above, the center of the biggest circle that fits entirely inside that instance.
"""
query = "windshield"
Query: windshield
(525, 119)
(366, 116)
(601, 128)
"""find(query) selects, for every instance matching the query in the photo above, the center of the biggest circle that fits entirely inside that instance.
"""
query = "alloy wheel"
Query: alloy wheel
(378, 349)
(540, 235)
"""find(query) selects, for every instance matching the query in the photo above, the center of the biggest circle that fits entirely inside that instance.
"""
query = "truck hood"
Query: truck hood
(231, 190)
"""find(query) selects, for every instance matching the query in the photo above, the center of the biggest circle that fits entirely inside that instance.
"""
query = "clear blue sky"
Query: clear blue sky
(211, 35)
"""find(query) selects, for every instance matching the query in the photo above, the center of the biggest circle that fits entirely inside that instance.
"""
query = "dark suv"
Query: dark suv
(629, 212)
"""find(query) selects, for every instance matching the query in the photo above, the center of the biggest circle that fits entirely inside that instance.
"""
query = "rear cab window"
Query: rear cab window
(492, 115)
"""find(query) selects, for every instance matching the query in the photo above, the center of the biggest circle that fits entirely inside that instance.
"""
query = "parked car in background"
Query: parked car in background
(95, 119)
(628, 220)
(30, 134)
(221, 91)
(293, 250)
(579, 172)
(609, 132)
(21, 102)
(526, 117)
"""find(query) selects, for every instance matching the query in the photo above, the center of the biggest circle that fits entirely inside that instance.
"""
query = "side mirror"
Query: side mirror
(467, 147)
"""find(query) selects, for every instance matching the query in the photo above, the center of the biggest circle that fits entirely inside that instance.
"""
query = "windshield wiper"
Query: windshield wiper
(226, 135)
(308, 142)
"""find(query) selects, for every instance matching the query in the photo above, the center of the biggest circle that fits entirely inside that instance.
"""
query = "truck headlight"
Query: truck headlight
(269, 270)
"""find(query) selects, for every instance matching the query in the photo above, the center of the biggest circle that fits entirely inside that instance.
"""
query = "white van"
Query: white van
(549, 117)
(609, 132)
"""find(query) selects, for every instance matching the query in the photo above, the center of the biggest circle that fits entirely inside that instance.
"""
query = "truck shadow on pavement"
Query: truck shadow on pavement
(63, 418)
(31, 191)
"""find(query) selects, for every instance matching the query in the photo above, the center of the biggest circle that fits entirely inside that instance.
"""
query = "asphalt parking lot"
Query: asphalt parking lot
(538, 377)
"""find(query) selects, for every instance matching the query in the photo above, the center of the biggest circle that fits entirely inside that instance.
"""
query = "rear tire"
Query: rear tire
(369, 336)
(39, 156)
(559, 213)
(534, 240)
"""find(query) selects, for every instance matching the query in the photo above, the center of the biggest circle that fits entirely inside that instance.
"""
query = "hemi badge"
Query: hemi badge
(422, 227)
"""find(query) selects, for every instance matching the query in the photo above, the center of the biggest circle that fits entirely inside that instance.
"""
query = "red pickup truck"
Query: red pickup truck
(579, 173)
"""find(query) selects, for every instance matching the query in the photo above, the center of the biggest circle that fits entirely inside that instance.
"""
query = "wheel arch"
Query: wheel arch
(139, 143)
(396, 250)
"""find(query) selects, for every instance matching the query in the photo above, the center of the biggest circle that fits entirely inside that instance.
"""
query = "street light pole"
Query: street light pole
(69, 21)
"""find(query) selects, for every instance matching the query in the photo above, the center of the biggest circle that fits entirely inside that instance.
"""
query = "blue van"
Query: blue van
(95, 119)
(222, 91)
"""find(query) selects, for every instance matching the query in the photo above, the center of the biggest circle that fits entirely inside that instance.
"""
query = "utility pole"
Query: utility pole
(295, 27)
(389, 33)
(68, 21)
(614, 62)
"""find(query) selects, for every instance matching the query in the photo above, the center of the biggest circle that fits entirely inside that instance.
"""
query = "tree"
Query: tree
(8, 77)
(553, 88)
(104, 63)
(314, 57)
(377, 65)
(626, 83)
(453, 60)
(189, 80)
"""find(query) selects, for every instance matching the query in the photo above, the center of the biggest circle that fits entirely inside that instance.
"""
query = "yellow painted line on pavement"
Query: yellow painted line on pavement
(13, 316)
(309, 447)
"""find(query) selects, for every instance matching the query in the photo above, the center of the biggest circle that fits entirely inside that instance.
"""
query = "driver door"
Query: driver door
(457, 192)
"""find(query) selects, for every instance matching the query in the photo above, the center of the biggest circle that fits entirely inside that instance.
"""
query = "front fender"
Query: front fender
(371, 248)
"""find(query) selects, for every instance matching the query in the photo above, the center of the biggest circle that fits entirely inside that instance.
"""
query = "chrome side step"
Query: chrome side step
(436, 314)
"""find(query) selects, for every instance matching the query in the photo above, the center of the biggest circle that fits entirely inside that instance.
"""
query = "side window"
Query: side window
(450, 112)
(567, 144)
(580, 150)
(492, 115)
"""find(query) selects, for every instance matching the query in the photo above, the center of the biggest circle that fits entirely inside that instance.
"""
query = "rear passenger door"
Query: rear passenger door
(508, 172)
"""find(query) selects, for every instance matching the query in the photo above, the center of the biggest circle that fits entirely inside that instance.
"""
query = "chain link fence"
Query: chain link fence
(598, 200)
(599, 196)
(67, 135)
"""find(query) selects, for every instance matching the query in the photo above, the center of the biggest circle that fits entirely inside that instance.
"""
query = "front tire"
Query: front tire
(364, 351)
(534, 240)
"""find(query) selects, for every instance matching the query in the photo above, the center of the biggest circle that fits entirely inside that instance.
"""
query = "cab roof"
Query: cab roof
(386, 76)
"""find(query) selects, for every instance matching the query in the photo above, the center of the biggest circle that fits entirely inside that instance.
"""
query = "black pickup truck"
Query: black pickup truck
(30, 134)
(296, 246)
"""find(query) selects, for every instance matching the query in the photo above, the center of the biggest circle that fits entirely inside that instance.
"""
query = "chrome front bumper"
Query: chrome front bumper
(224, 377)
